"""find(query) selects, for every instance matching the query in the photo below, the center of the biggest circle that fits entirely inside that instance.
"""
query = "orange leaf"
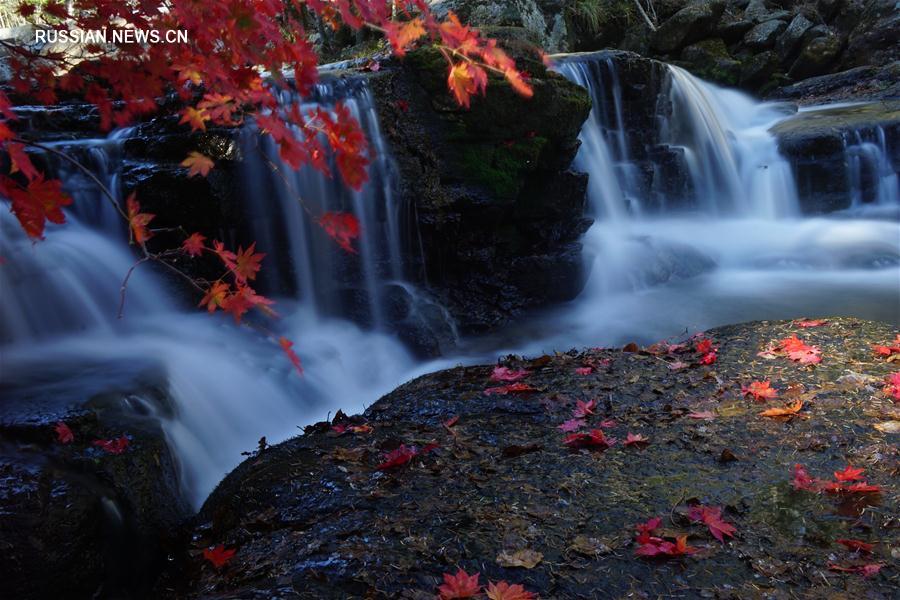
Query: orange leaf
(287, 347)
(197, 164)
(461, 585)
(195, 117)
(402, 36)
(787, 411)
(193, 245)
(505, 591)
(138, 220)
(246, 263)
(215, 296)
(464, 80)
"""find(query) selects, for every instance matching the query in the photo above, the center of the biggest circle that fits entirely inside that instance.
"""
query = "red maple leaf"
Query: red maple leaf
(865, 570)
(513, 388)
(811, 323)
(596, 439)
(802, 480)
(64, 435)
(650, 545)
(506, 374)
(342, 227)
(461, 585)
(138, 220)
(704, 346)
(584, 370)
(193, 245)
(287, 346)
(572, 425)
(583, 409)
(708, 358)
(247, 263)
(398, 457)
(850, 473)
(760, 390)
(632, 439)
(40, 201)
(856, 545)
(219, 555)
(114, 446)
(892, 388)
(505, 591)
(712, 517)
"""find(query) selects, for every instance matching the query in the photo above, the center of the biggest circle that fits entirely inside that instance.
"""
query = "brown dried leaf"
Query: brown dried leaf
(525, 558)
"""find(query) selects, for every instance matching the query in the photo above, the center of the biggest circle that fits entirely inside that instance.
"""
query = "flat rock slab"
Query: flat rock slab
(315, 517)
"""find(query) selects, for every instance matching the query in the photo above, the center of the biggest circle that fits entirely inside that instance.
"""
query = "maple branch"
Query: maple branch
(124, 286)
(103, 189)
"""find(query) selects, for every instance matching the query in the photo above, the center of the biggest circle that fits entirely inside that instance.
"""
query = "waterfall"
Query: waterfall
(228, 386)
(870, 174)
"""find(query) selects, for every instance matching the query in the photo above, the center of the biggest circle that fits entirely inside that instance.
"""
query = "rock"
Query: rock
(789, 41)
(860, 83)
(756, 11)
(99, 523)
(874, 39)
(545, 20)
(815, 142)
(817, 55)
(314, 517)
(692, 23)
(758, 70)
(710, 60)
(490, 185)
(764, 35)
(732, 31)
(827, 9)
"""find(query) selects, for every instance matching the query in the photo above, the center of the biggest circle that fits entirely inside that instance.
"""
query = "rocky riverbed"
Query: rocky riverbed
(458, 470)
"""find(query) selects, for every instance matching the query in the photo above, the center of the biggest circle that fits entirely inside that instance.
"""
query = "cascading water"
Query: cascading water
(870, 175)
(736, 249)
(733, 248)
(228, 387)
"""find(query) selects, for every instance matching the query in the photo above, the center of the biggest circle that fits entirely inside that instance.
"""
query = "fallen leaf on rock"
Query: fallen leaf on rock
(707, 415)
(116, 446)
(588, 546)
(584, 370)
(712, 517)
(513, 388)
(812, 323)
(888, 427)
(856, 545)
(507, 374)
(636, 439)
(583, 409)
(864, 570)
(461, 585)
(506, 591)
(218, 556)
(64, 435)
(572, 425)
(760, 390)
(354, 455)
(595, 439)
(398, 457)
(787, 411)
(525, 558)
(850, 473)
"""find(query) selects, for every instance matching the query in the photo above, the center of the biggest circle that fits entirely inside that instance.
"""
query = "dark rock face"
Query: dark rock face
(694, 22)
(818, 54)
(314, 517)
(75, 520)
(789, 41)
(817, 143)
(497, 210)
(764, 35)
(859, 83)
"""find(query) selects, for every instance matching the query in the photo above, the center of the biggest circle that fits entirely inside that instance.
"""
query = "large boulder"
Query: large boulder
(545, 20)
(711, 60)
(790, 39)
(692, 23)
(874, 39)
(491, 488)
(859, 83)
(764, 35)
(818, 54)
(817, 145)
(757, 70)
(490, 185)
(78, 519)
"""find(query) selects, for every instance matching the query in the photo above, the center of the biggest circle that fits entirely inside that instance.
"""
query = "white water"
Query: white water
(737, 251)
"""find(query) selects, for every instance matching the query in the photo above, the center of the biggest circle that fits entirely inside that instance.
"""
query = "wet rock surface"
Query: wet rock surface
(77, 519)
(819, 143)
(497, 211)
(315, 517)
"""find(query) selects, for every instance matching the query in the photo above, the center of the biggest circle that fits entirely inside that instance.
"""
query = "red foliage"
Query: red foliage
(64, 435)
(856, 545)
(342, 227)
(651, 546)
(506, 591)
(507, 374)
(636, 439)
(287, 346)
(760, 390)
(596, 439)
(461, 585)
(583, 409)
(114, 446)
(218, 556)
(513, 388)
(865, 570)
(398, 457)
(712, 517)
